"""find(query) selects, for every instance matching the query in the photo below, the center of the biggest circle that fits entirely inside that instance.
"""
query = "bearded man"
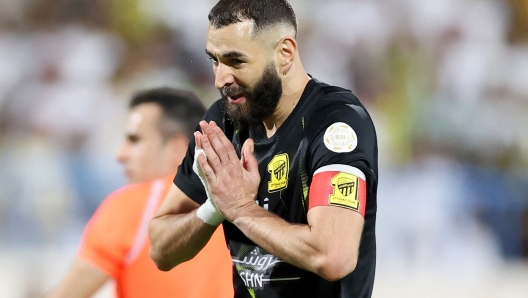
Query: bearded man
(287, 164)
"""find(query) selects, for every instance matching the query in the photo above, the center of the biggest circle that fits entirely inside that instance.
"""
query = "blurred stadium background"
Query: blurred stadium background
(446, 82)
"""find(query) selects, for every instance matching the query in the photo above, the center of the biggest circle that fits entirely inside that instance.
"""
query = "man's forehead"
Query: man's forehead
(242, 29)
(136, 118)
(235, 37)
(134, 121)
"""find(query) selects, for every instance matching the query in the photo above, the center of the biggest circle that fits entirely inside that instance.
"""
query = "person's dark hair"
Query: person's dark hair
(181, 110)
(265, 13)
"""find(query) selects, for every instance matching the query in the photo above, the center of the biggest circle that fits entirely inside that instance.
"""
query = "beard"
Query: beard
(261, 100)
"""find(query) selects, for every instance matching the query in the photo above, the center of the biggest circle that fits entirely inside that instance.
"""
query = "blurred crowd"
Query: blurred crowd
(446, 82)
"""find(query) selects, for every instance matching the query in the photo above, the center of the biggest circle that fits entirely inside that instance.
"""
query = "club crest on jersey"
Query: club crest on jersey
(345, 191)
(278, 168)
(340, 138)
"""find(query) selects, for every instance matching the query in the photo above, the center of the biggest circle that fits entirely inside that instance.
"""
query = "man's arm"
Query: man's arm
(327, 246)
(82, 280)
(176, 233)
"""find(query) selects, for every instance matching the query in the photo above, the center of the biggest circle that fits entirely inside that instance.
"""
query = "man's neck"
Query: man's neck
(292, 90)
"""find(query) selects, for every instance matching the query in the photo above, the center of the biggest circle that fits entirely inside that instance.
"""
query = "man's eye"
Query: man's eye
(236, 61)
(213, 59)
(133, 139)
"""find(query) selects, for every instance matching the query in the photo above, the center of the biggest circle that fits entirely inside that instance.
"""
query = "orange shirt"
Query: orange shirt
(116, 241)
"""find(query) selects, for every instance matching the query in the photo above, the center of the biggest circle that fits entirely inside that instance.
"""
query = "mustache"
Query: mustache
(232, 90)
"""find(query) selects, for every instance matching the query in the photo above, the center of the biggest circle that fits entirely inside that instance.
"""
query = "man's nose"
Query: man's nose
(223, 76)
(122, 154)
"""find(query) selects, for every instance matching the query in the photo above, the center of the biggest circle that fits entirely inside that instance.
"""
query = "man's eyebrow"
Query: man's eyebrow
(233, 54)
(228, 55)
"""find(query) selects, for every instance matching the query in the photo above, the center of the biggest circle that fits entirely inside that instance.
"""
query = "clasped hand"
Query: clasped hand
(232, 182)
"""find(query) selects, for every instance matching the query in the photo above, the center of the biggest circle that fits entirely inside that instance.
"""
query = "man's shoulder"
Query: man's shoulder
(332, 96)
(128, 204)
(134, 196)
(334, 102)
(129, 191)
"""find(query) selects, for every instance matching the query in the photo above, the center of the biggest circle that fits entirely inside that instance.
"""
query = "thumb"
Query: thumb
(249, 161)
(248, 144)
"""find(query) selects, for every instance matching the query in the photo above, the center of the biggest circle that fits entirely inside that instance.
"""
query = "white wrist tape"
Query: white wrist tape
(208, 212)
(198, 170)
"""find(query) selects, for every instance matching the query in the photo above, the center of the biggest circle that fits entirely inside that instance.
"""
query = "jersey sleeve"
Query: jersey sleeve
(104, 243)
(342, 133)
(186, 179)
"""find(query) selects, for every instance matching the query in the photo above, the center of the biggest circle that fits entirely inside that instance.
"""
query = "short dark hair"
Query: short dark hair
(181, 110)
(265, 13)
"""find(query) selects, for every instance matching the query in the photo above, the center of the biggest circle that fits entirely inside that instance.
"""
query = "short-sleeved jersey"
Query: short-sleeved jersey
(116, 242)
(287, 163)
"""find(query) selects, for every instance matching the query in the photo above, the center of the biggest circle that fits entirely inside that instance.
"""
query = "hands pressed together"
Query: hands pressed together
(232, 182)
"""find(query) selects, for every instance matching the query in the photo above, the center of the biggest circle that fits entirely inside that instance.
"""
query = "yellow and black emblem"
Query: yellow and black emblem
(345, 191)
(278, 167)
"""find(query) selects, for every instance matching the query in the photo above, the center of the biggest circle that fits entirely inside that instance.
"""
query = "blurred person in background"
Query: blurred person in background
(115, 243)
(305, 151)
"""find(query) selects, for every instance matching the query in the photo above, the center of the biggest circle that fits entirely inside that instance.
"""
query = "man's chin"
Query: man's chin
(130, 177)
(237, 112)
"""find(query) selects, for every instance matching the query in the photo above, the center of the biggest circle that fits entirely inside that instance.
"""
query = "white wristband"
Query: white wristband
(209, 214)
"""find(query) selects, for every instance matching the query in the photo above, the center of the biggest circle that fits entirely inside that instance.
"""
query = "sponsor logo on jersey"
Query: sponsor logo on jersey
(345, 191)
(255, 267)
(278, 168)
(340, 138)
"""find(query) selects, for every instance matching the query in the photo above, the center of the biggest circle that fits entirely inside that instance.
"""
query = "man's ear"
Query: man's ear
(178, 148)
(287, 50)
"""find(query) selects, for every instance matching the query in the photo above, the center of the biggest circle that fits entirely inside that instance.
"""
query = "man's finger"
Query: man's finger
(203, 126)
(198, 139)
(217, 144)
(206, 169)
(227, 144)
(212, 157)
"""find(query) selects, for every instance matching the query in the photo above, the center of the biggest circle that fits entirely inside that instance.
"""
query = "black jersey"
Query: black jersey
(287, 162)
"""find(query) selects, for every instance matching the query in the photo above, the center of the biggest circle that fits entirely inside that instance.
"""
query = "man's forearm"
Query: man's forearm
(290, 243)
(326, 249)
(83, 280)
(176, 238)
